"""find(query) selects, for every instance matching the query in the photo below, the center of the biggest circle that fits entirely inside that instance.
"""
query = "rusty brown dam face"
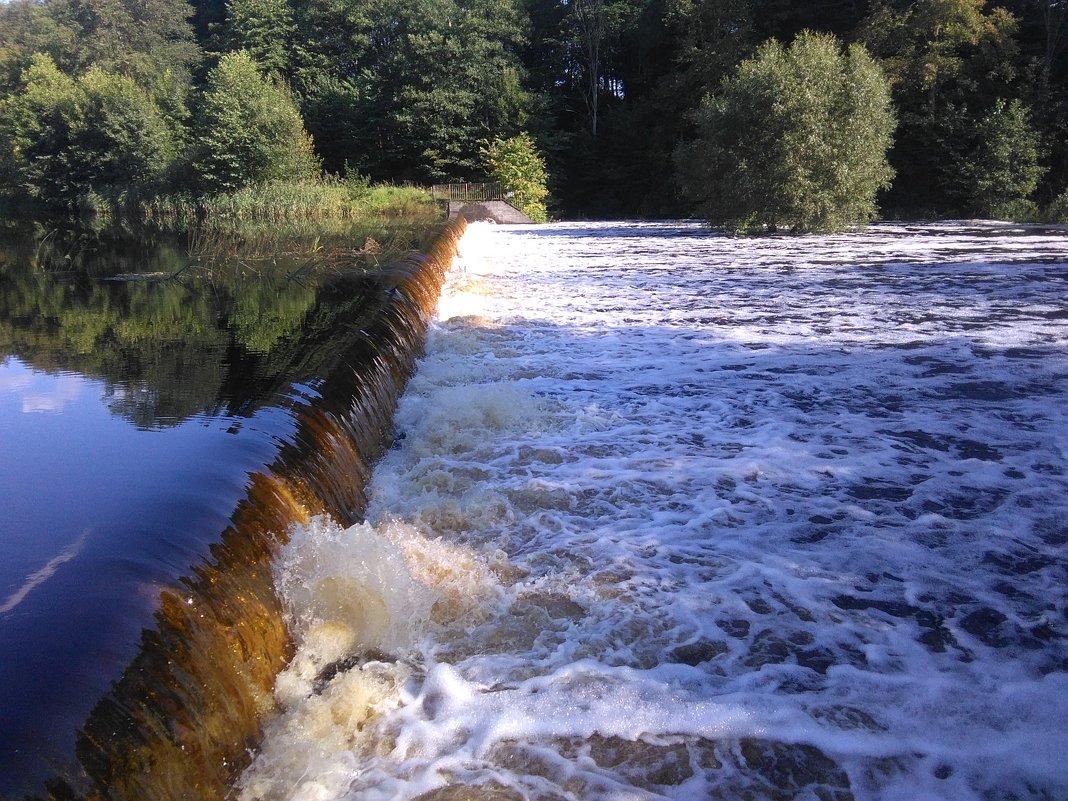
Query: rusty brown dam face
(183, 717)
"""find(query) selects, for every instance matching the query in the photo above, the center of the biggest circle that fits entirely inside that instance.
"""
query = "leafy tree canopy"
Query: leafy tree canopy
(949, 61)
(795, 139)
(516, 164)
(263, 28)
(141, 39)
(412, 90)
(249, 129)
(64, 137)
(1003, 169)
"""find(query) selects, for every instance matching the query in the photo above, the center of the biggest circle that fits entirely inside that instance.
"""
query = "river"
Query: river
(673, 515)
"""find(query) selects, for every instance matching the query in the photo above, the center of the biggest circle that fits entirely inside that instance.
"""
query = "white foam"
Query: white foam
(680, 516)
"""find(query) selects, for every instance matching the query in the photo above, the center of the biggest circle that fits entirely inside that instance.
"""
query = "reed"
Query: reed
(328, 224)
(325, 199)
(305, 248)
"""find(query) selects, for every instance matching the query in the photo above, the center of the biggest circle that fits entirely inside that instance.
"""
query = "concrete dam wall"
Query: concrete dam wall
(500, 211)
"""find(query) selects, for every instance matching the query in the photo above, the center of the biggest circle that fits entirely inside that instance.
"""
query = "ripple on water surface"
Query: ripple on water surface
(671, 515)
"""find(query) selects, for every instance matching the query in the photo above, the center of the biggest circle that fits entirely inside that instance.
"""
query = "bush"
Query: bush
(795, 139)
(516, 164)
(1003, 170)
(1057, 211)
(250, 130)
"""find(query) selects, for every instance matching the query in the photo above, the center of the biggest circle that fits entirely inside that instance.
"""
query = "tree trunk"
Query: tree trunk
(589, 20)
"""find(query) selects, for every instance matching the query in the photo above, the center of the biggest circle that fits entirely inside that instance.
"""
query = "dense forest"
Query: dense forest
(115, 98)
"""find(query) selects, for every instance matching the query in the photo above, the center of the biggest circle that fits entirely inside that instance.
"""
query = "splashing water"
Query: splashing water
(671, 515)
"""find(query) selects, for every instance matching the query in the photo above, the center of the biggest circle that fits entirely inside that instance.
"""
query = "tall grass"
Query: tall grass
(327, 199)
(305, 247)
(295, 229)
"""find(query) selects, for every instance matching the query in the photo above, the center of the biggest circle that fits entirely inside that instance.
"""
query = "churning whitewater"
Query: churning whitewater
(672, 515)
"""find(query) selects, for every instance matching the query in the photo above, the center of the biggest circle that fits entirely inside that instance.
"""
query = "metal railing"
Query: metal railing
(469, 192)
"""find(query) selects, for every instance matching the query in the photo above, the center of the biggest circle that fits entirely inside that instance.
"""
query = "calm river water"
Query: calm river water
(672, 515)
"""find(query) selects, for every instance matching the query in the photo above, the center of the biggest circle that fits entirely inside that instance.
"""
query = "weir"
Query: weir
(180, 722)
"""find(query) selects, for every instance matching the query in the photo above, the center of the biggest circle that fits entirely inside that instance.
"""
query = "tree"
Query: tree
(28, 27)
(65, 137)
(148, 41)
(408, 89)
(708, 40)
(142, 39)
(948, 62)
(516, 164)
(123, 137)
(1003, 169)
(264, 28)
(589, 17)
(447, 78)
(250, 130)
(36, 132)
(796, 138)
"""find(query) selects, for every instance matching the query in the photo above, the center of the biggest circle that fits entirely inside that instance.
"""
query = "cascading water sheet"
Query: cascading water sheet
(672, 515)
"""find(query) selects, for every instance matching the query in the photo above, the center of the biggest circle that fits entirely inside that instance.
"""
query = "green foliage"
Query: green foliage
(64, 138)
(408, 90)
(949, 61)
(795, 139)
(335, 114)
(123, 137)
(263, 28)
(451, 83)
(1003, 171)
(711, 37)
(27, 28)
(249, 130)
(320, 201)
(412, 90)
(943, 47)
(397, 202)
(36, 132)
(516, 163)
(141, 39)
(1057, 211)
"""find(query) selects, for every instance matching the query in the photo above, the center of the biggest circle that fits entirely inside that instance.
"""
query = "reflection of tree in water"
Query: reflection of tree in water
(171, 340)
(265, 312)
